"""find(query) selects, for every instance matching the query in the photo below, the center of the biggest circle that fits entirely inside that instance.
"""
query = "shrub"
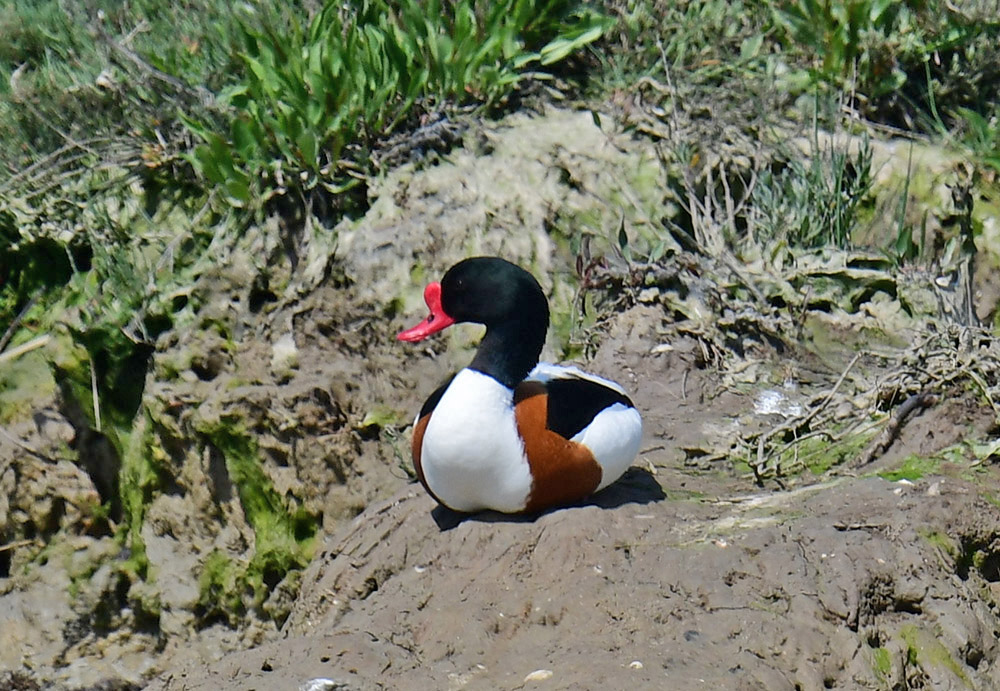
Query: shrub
(354, 73)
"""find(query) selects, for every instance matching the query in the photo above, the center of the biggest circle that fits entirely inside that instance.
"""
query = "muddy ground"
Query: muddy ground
(815, 571)
(678, 576)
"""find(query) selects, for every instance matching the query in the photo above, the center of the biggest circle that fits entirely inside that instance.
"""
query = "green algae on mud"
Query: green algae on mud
(821, 452)
(882, 663)
(966, 459)
(924, 650)
(138, 480)
(284, 536)
(913, 468)
(23, 383)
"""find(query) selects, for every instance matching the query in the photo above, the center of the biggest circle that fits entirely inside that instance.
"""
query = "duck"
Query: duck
(509, 433)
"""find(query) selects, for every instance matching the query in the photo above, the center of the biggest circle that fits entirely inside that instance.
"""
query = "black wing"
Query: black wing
(574, 403)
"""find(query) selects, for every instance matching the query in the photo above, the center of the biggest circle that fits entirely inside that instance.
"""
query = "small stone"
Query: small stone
(635, 664)
(284, 355)
(539, 675)
(323, 684)
(649, 295)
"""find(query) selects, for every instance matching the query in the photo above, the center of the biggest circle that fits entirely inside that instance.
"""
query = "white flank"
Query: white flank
(613, 437)
(472, 456)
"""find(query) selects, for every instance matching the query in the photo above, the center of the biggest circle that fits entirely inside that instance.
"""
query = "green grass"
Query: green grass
(346, 78)
(74, 79)
(814, 202)
(913, 468)
(898, 63)
(775, 69)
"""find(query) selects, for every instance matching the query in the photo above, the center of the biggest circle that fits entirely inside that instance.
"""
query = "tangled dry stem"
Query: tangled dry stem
(955, 358)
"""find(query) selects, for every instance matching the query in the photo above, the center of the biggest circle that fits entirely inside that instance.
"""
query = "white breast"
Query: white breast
(472, 456)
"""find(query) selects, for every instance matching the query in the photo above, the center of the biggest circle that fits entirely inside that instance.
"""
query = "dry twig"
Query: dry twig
(896, 422)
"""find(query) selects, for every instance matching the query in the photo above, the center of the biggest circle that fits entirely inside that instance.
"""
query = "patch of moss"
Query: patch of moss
(924, 650)
(941, 541)
(882, 663)
(81, 577)
(23, 382)
(220, 326)
(381, 416)
(685, 495)
(284, 535)
(818, 454)
(913, 468)
(418, 273)
(830, 455)
(139, 479)
(742, 467)
(218, 587)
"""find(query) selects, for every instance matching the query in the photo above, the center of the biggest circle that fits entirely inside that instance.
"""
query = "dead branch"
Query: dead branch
(896, 422)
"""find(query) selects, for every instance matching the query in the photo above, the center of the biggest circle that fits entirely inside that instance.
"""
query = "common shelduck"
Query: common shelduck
(508, 433)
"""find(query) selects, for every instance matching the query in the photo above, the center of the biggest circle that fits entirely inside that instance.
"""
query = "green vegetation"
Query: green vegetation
(967, 460)
(925, 650)
(814, 203)
(351, 77)
(913, 468)
(283, 534)
(21, 383)
(140, 140)
(726, 81)
(138, 480)
(908, 64)
(289, 106)
(942, 542)
(882, 662)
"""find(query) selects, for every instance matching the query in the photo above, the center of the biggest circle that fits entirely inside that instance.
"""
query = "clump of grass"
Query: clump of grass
(896, 58)
(814, 202)
(980, 134)
(103, 75)
(696, 42)
(315, 96)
